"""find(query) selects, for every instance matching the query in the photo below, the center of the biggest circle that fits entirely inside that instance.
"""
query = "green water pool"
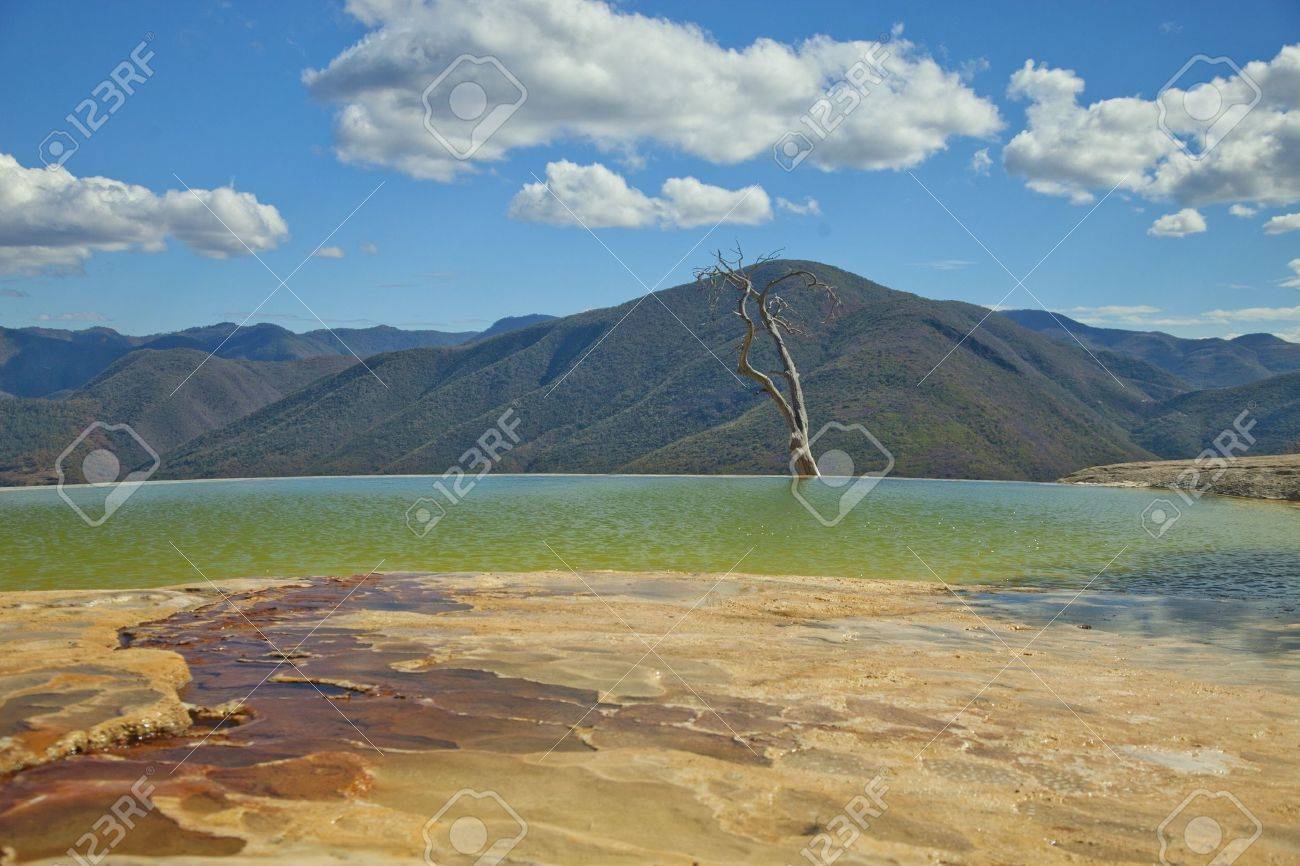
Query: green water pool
(1002, 533)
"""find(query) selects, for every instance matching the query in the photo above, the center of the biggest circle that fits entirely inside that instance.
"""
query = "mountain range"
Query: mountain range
(648, 386)
(1211, 362)
(136, 388)
(39, 362)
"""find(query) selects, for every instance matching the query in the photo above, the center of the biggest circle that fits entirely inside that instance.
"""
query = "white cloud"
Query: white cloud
(1242, 210)
(595, 195)
(370, 249)
(1187, 221)
(1113, 311)
(1145, 316)
(328, 253)
(276, 316)
(1135, 316)
(601, 198)
(980, 161)
(620, 80)
(1292, 282)
(1074, 150)
(1282, 223)
(51, 220)
(224, 224)
(810, 206)
(945, 265)
(691, 203)
(80, 316)
(1069, 150)
(1256, 314)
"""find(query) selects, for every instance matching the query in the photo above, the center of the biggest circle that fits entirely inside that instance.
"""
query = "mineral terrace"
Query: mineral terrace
(623, 718)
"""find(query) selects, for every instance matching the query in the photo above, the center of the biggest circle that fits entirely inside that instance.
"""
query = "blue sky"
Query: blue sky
(227, 105)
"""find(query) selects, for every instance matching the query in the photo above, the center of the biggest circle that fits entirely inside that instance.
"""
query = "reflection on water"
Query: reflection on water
(1235, 627)
(968, 532)
(1231, 573)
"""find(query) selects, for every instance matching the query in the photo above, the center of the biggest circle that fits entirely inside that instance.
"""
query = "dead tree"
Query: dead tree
(776, 315)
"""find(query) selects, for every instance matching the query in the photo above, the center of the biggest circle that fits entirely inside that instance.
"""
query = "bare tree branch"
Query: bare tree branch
(775, 313)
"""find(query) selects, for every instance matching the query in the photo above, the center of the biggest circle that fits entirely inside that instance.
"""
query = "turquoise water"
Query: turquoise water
(1002, 533)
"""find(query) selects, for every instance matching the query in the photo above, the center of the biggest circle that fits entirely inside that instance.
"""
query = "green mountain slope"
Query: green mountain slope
(1181, 427)
(38, 361)
(650, 397)
(136, 389)
(1205, 363)
(512, 323)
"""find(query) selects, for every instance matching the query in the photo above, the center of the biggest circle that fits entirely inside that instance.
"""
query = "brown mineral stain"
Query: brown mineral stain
(333, 718)
(65, 807)
(319, 776)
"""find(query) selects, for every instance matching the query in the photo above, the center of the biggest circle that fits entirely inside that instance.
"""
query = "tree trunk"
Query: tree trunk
(771, 311)
(801, 458)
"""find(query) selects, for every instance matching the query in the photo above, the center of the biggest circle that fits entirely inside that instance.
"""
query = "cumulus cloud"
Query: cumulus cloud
(1187, 221)
(980, 161)
(1244, 211)
(691, 203)
(52, 220)
(809, 207)
(1293, 281)
(370, 249)
(601, 198)
(1282, 223)
(620, 80)
(1075, 150)
(328, 253)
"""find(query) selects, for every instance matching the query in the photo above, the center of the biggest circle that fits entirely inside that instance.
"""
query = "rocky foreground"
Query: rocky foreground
(1267, 477)
(622, 718)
